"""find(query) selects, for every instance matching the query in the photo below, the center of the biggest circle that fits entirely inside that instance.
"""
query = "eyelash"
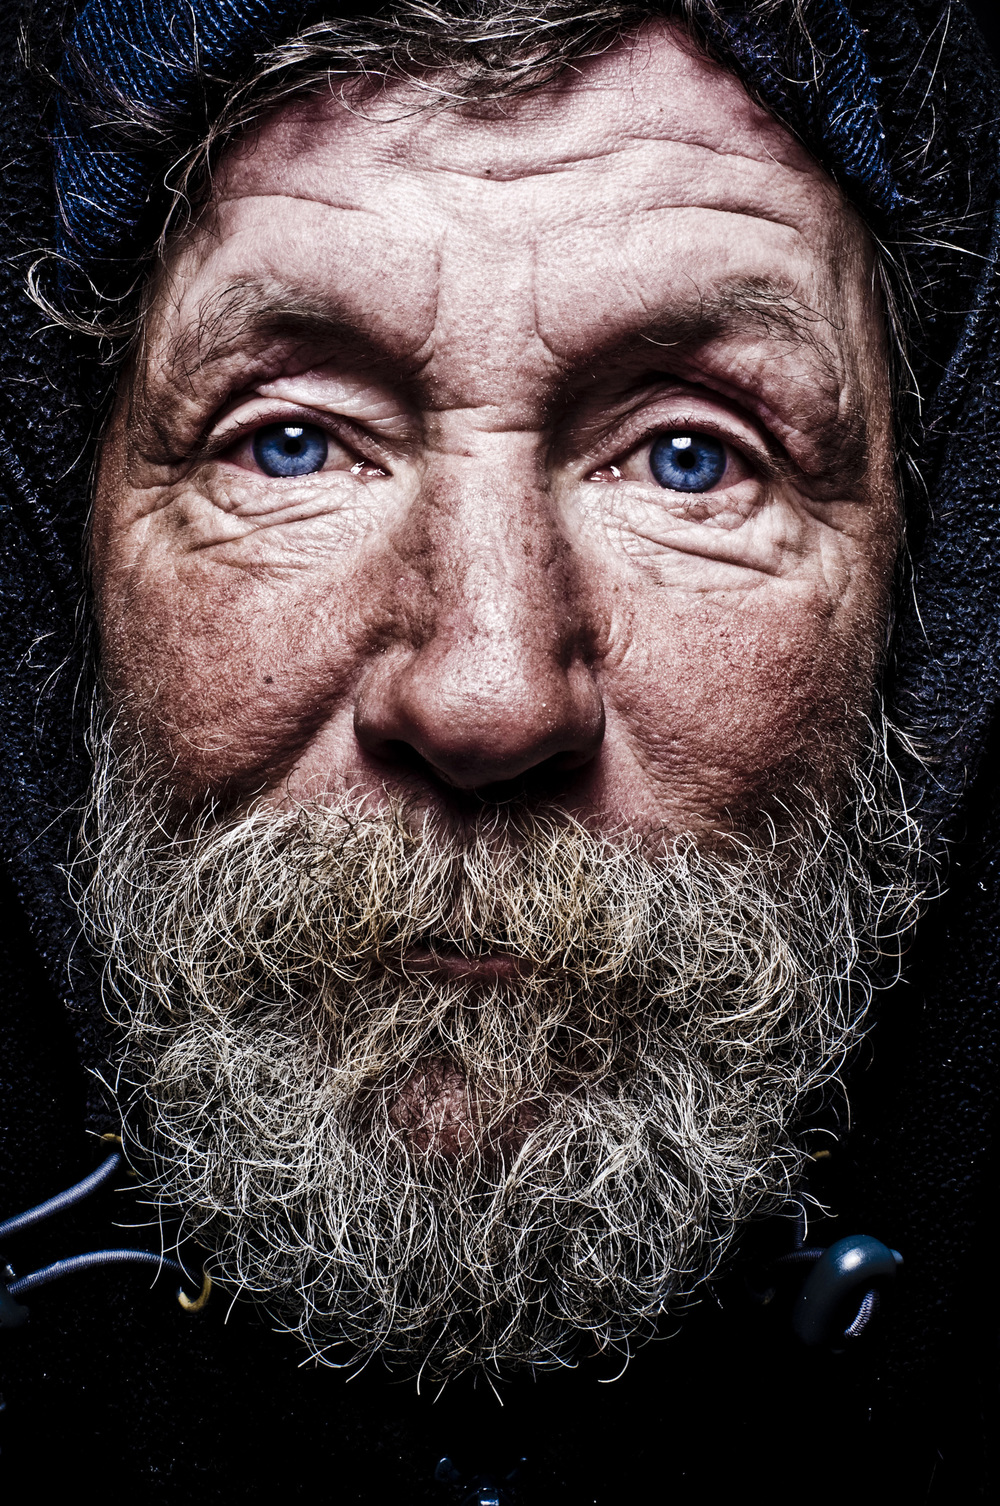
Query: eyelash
(368, 452)
(760, 463)
(340, 430)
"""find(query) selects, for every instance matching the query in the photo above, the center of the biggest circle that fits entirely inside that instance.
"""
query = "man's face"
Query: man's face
(504, 333)
(499, 514)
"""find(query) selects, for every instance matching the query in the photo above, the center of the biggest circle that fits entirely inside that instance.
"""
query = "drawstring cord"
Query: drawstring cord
(62, 1200)
(842, 1290)
(13, 1314)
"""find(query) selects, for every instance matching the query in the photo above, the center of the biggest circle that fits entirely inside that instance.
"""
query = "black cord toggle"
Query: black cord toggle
(844, 1281)
(842, 1289)
(14, 1314)
(479, 1489)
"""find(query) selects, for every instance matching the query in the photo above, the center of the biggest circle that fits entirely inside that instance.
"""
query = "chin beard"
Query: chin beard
(477, 1172)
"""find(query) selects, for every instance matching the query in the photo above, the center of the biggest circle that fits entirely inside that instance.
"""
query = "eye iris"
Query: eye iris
(290, 449)
(687, 462)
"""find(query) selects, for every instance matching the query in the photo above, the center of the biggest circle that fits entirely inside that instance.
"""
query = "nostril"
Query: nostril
(429, 719)
(549, 779)
(544, 781)
(402, 755)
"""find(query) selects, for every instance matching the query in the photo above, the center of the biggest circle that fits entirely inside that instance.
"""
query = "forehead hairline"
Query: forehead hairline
(646, 68)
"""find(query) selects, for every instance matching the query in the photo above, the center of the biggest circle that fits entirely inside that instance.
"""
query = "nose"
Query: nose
(491, 680)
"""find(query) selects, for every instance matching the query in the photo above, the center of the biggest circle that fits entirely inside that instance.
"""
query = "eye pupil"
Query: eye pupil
(687, 462)
(290, 449)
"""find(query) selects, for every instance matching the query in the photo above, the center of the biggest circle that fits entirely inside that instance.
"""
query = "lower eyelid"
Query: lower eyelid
(657, 518)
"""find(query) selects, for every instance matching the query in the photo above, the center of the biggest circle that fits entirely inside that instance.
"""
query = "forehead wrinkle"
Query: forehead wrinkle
(494, 171)
(497, 176)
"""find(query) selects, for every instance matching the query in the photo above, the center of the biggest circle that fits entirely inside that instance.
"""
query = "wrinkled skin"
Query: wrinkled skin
(492, 312)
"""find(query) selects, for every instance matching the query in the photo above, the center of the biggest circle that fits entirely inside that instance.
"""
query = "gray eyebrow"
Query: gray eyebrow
(250, 309)
(741, 303)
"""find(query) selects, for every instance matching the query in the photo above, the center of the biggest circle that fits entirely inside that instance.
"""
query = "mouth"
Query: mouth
(441, 960)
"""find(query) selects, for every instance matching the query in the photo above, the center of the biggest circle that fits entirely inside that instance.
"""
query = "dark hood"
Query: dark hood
(900, 103)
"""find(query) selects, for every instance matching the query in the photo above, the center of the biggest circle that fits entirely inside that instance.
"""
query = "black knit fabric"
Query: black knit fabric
(112, 1384)
(164, 62)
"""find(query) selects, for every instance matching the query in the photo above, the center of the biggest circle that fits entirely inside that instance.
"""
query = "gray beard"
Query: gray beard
(461, 1175)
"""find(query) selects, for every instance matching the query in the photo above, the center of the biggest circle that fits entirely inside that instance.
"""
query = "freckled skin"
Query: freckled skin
(492, 314)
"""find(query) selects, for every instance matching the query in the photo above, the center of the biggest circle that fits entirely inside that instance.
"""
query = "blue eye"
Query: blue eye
(290, 449)
(687, 462)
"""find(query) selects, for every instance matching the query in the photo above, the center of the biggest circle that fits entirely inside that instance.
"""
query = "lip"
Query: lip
(487, 968)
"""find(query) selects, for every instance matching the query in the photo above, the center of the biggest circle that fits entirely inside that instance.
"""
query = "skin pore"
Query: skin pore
(493, 314)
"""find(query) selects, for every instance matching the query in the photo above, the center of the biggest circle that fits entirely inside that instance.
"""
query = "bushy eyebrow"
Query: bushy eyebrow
(245, 311)
(738, 304)
(755, 305)
(250, 313)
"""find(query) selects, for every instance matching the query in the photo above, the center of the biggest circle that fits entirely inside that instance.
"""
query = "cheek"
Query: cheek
(730, 699)
(227, 672)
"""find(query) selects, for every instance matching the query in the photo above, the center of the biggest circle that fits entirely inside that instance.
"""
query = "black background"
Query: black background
(987, 13)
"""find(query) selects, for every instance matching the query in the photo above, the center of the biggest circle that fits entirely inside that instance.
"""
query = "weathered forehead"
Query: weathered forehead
(651, 89)
(647, 158)
(643, 197)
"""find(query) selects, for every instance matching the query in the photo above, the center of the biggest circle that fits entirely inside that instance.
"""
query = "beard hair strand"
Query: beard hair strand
(458, 1175)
